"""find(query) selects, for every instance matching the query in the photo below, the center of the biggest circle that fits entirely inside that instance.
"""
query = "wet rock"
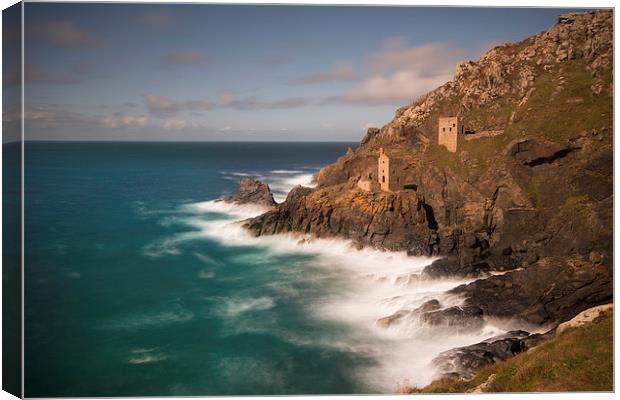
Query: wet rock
(540, 196)
(461, 319)
(465, 361)
(393, 319)
(397, 317)
(431, 305)
(252, 191)
(548, 292)
(451, 267)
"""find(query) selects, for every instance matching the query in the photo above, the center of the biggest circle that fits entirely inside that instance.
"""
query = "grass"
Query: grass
(558, 117)
(555, 117)
(581, 359)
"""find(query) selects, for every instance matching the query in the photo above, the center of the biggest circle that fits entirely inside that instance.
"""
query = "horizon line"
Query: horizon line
(178, 141)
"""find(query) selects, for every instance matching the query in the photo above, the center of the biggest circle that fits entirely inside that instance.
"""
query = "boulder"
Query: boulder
(550, 291)
(252, 191)
(393, 319)
(459, 319)
(585, 317)
(451, 267)
(370, 134)
(465, 361)
(398, 316)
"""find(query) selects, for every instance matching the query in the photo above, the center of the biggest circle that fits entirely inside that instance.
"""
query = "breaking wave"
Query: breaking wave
(360, 287)
(280, 181)
(146, 356)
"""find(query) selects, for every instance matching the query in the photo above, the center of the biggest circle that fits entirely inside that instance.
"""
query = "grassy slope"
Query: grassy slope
(544, 115)
(581, 359)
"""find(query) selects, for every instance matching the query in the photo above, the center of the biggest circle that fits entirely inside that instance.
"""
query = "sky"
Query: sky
(239, 72)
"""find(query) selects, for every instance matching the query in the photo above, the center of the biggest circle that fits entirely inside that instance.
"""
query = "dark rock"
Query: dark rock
(550, 291)
(451, 267)
(252, 191)
(533, 152)
(461, 319)
(431, 305)
(463, 362)
(383, 220)
(393, 319)
(398, 316)
(533, 197)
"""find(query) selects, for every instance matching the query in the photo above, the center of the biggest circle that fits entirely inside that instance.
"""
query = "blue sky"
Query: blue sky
(213, 72)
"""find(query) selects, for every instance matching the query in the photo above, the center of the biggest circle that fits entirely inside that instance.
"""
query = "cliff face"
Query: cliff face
(534, 183)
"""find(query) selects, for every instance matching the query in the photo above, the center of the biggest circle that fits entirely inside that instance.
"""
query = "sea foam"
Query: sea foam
(363, 286)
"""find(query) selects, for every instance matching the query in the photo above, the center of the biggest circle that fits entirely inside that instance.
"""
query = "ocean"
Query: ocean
(138, 283)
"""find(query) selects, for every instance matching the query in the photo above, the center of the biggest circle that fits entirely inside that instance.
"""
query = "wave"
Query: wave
(280, 186)
(206, 274)
(236, 306)
(280, 181)
(366, 285)
(229, 210)
(134, 322)
(358, 287)
(146, 359)
(286, 171)
(206, 259)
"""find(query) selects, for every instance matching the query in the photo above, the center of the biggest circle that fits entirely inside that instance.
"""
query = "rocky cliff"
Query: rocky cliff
(532, 191)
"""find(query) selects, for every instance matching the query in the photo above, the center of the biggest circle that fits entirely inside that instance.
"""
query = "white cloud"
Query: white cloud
(128, 121)
(178, 124)
(429, 59)
(399, 73)
(395, 87)
(175, 124)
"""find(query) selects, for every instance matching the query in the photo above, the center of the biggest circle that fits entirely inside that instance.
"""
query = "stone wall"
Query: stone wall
(483, 134)
(383, 170)
(448, 132)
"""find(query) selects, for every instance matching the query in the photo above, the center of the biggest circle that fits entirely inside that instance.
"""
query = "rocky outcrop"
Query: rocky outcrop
(252, 191)
(400, 315)
(550, 291)
(378, 219)
(465, 361)
(431, 315)
(457, 319)
(450, 267)
(585, 317)
(507, 74)
(529, 211)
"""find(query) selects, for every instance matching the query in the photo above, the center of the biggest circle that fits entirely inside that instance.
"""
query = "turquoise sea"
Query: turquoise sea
(139, 283)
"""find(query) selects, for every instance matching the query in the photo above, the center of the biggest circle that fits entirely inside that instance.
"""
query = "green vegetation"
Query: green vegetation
(561, 106)
(440, 157)
(581, 359)
(559, 114)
